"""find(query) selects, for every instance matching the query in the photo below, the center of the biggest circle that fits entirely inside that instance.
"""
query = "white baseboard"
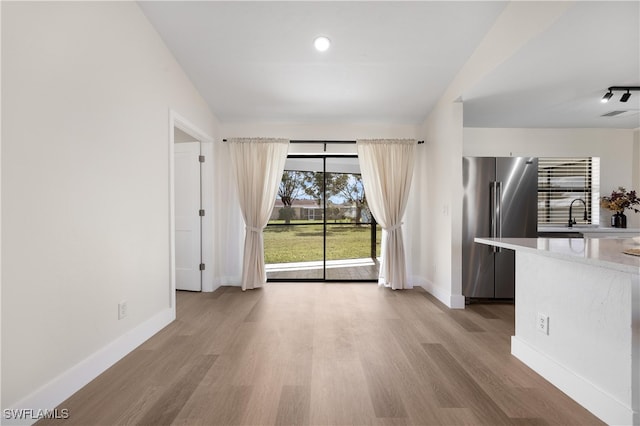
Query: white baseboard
(601, 404)
(233, 281)
(211, 287)
(457, 301)
(452, 301)
(69, 382)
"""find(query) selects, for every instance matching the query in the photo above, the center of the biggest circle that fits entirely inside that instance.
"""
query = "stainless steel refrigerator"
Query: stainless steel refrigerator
(500, 200)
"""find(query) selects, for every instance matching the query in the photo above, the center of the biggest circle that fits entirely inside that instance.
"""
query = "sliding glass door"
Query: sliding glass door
(352, 237)
(294, 236)
(321, 228)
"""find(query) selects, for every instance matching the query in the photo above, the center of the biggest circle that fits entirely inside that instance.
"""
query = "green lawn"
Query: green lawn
(285, 244)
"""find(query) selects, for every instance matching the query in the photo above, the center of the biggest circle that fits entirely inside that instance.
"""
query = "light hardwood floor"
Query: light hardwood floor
(324, 354)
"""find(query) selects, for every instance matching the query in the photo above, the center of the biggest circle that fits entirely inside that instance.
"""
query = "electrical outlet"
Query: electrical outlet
(542, 323)
(122, 309)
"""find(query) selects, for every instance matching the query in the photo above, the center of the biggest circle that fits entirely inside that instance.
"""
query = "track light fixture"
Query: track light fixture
(625, 96)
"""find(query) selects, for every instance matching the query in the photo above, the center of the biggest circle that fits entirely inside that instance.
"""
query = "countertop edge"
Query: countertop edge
(589, 230)
(505, 243)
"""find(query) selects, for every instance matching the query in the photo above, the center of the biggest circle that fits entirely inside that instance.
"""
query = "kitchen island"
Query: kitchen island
(577, 309)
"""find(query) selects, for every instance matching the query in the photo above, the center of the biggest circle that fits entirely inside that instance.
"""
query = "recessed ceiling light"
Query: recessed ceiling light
(321, 43)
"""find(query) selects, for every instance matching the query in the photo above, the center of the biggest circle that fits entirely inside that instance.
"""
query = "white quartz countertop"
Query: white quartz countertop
(588, 229)
(603, 252)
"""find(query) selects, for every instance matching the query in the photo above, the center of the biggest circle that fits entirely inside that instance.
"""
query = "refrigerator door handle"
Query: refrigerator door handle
(499, 209)
(494, 213)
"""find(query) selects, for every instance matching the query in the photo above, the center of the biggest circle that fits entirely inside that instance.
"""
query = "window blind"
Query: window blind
(562, 180)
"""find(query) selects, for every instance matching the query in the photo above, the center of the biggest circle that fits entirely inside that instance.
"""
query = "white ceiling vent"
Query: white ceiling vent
(625, 113)
(613, 113)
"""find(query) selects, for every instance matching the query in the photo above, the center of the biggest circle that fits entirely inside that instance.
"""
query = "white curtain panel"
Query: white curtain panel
(258, 166)
(387, 169)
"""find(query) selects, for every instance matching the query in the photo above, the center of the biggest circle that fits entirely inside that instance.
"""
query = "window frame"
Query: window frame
(552, 168)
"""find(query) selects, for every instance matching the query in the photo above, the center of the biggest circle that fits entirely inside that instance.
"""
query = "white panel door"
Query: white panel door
(187, 210)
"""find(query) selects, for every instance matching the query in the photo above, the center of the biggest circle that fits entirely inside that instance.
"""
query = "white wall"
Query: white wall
(434, 207)
(87, 89)
(615, 147)
(319, 130)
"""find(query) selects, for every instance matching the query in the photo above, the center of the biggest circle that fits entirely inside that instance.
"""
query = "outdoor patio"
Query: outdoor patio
(344, 269)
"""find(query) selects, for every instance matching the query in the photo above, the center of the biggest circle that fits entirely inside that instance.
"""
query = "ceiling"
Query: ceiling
(392, 61)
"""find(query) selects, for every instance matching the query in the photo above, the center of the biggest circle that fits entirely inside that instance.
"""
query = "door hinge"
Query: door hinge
(202, 266)
(201, 158)
(201, 212)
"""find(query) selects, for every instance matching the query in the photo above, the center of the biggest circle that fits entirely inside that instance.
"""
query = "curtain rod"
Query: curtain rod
(316, 141)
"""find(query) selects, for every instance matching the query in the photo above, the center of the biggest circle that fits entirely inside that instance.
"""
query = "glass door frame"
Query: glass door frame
(373, 224)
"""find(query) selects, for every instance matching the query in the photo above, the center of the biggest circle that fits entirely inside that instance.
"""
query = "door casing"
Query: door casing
(206, 141)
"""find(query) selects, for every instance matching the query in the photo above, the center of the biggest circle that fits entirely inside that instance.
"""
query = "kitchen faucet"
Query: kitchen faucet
(572, 221)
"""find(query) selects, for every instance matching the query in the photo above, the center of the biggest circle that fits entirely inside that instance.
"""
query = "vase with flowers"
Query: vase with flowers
(617, 202)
